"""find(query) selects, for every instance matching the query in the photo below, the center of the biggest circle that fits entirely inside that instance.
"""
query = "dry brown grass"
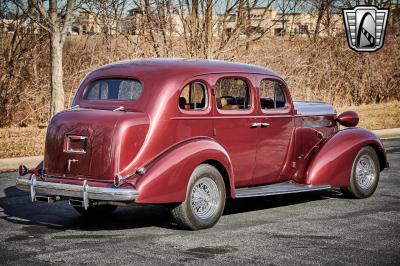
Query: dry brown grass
(326, 70)
(29, 141)
(25, 141)
(377, 116)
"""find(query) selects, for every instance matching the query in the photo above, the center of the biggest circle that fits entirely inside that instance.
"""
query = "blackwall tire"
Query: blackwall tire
(364, 174)
(96, 211)
(205, 199)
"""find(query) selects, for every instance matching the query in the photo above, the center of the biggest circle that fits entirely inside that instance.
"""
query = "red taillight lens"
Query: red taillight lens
(117, 180)
(22, 170)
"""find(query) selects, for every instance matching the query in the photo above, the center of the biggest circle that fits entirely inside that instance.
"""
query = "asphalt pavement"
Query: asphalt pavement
(308, 228)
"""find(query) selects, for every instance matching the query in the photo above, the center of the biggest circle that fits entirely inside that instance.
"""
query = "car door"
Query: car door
(276, 112)
(234, 124)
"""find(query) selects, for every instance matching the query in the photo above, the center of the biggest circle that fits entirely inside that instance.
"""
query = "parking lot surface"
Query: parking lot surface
(308, 228)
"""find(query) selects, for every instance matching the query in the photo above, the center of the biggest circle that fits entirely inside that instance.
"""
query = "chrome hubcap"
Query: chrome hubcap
(205, 198)
(365, 172)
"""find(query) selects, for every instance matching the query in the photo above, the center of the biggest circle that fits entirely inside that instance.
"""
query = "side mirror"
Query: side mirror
(348, 119)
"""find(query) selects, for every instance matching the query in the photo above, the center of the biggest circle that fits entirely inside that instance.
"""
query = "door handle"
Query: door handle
(255, 125)
(265, 124)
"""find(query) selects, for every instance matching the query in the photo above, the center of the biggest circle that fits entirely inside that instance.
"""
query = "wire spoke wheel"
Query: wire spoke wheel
(365, 172)
(205, 198)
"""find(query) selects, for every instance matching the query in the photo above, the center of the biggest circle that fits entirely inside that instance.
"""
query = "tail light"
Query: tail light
(22, 170)
(118, 180)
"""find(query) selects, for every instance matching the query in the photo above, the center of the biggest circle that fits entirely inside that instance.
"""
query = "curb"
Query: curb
(12, 164)
(389, 133)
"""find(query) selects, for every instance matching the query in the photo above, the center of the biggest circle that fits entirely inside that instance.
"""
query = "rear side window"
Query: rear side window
(114, 90)
(232, 94)
(193, 97)
(272, 95)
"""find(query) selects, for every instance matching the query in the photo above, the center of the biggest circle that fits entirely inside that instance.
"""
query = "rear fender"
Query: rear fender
(166, 179)
(332, 164)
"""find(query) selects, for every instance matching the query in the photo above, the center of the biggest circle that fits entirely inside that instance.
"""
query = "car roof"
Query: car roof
(192, 67)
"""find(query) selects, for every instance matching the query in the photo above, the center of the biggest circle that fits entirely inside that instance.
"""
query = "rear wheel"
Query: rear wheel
(365, 174)
(94, 211)
(205, 199)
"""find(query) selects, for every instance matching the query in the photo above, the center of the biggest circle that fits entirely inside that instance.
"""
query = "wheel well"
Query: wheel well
(220, 167)
(381, 156)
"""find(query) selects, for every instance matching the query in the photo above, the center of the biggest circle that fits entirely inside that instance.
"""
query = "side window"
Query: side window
(193, 97)
(232, 94)
(272, 95)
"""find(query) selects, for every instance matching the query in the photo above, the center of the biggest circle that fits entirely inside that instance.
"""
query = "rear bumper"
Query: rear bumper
(84, 191)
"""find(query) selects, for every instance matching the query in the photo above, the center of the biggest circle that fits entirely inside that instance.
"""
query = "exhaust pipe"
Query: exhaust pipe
(81, 203)
(76, 203)
(46, 199)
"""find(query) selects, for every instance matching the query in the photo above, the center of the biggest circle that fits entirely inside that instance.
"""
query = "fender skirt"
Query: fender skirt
(166, 178)
(332, 164)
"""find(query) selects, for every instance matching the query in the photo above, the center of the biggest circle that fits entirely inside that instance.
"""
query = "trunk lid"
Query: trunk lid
(85, 143)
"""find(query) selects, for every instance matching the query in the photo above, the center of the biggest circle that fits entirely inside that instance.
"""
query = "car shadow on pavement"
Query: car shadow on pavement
(269, 202)
(18, 209)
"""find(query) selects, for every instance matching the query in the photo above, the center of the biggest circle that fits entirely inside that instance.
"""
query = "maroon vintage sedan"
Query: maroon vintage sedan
(191, 133)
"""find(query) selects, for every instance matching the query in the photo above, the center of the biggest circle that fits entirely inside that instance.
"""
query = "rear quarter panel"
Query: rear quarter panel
(167, 178)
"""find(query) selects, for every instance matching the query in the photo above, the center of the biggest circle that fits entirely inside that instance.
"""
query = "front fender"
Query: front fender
(332, 164)
(165, 181)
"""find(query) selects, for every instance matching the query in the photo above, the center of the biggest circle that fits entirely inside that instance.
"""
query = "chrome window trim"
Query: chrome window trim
(206, 91)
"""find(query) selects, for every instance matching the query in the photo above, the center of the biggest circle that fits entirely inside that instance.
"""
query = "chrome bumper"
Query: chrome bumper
(84, 192)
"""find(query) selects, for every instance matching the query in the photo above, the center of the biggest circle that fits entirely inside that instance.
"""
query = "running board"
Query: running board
(277, 189)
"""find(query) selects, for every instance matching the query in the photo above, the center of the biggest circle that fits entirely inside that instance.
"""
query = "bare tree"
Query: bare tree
(378, 3)
(213, 28)
(18, 65)
(55, 18)
(323, 7)
(109, 16)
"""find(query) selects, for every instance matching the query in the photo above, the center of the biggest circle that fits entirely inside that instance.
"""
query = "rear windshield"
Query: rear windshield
(114, 90)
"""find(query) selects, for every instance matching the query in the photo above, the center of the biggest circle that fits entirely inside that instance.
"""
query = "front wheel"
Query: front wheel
(365, 174)
(205, 199)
